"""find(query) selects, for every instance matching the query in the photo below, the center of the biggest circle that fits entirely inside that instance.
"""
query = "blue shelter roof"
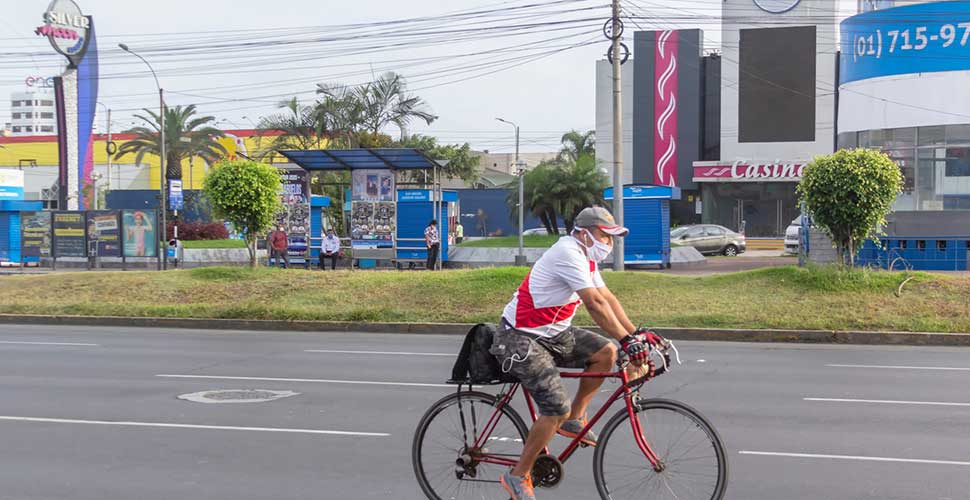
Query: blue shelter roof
(354, 159)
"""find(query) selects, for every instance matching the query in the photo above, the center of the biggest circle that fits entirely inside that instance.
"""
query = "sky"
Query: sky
(528, 61)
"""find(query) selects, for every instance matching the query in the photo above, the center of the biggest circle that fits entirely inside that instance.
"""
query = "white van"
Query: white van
(792, 234)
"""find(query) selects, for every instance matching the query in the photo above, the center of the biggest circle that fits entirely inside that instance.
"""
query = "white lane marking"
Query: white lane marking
(47, 343)
(192, 426)
(383, 352)
(892, 367)
(852, 457)
(312, 380)
(886, 401)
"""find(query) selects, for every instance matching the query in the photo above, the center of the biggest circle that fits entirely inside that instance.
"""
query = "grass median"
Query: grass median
(781, 297)
(530, 241)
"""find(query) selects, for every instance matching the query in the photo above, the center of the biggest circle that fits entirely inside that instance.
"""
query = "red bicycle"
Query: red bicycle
(467, 440)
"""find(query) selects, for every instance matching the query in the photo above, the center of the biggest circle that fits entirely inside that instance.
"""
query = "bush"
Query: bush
(193, 231)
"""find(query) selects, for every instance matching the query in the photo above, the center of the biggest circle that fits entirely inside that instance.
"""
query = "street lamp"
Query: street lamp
(520, 170)
(162, 263)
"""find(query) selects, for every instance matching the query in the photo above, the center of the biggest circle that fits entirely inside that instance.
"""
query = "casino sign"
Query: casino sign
(67, 28)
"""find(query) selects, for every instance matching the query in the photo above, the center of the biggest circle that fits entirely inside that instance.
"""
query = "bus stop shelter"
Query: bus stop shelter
(391, 160)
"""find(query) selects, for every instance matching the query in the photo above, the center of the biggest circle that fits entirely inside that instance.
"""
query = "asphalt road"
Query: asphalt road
(97, 421)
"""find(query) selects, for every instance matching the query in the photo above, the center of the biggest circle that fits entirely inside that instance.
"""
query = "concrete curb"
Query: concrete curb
(705, 334)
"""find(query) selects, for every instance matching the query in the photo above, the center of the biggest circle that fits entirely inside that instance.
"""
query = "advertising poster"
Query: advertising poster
(139, 230)
(35, 234)
(295, 213)
(104, 235)
(69, 234)
(387, 187)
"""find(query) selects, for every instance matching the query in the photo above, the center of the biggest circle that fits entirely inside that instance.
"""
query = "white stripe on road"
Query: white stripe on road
(192, 426)
(383, 352)
(893, 367)
(886, 401)
(312, 380)
(852, 457)
(46, 343)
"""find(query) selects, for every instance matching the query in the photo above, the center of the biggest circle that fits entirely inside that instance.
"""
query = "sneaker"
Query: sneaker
(520, 488)
(572, 428)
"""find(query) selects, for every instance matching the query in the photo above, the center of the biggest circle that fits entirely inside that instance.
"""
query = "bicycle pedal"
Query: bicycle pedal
(583, 445)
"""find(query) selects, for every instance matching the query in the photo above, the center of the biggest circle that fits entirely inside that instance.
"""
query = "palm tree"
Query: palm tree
(372, 106)
(185, 136)
(297, 128)
(576, 145)
(578, 185)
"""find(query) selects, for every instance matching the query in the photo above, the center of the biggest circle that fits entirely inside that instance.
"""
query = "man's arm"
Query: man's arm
(618, 310)
(600, 309)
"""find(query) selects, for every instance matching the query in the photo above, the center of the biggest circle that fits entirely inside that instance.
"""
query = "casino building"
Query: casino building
(796, 79)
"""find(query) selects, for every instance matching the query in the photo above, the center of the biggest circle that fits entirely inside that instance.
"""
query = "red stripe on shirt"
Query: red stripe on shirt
(527, 315)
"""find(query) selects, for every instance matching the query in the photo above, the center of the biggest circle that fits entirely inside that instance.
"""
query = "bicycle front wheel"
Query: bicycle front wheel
(694, 465)
(447, 464)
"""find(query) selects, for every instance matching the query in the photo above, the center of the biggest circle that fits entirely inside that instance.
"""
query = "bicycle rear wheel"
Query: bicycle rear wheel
(441, 439)
(694, 463)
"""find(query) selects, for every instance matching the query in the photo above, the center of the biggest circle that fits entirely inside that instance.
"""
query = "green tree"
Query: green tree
(577, 145)
(577, 185)
(295, 128)
(185, 135)
(848, 195)
(246, 193)
(560, 188)
(458, 159)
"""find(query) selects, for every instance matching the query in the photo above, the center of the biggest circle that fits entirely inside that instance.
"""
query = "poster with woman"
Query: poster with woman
(139, 228)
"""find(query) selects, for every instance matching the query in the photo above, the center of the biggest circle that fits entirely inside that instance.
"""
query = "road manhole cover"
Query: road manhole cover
(237, 396)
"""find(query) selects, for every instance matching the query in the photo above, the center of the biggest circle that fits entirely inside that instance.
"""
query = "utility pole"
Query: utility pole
(520, 171)
(108, 146)
(617, 136)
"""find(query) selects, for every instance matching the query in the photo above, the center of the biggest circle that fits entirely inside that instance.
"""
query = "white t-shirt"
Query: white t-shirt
(546, 301)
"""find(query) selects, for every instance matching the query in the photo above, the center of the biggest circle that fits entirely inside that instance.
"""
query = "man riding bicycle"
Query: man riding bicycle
(537, 336)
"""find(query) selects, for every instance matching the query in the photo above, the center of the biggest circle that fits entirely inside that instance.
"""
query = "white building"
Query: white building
(32, 113)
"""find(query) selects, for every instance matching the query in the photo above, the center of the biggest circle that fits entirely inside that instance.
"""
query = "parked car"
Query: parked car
(709, 239)
(541, 231)
(792, 235)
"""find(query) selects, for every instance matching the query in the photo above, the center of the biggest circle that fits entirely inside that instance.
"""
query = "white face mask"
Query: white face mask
(599, 251)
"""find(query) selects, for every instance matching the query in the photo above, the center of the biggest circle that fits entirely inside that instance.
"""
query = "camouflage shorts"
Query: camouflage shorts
(537, 371)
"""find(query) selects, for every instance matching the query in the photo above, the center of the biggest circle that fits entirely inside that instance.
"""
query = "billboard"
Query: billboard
(69, 234)
(139, 228)
(295, 213)
(920, 38)
(104, 233)
(35, 231)
(373, 209)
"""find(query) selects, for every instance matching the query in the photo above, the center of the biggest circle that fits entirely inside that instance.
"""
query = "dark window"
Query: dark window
(47, 103)
(695, 232)
(777, 85)
(921, 244)
(47, 115)
(957, 162)
(714, 231)
(903, 244)
(47, 129)
(16, 129)
(941, 245)
(29, 128)
(15, 104)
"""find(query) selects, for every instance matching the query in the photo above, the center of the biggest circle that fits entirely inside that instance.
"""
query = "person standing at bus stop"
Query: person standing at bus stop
(433, 242)
(279, 245)
(459, 233)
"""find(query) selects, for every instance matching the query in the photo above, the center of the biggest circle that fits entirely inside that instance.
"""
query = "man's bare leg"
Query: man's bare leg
(540, 435)
(602, 361)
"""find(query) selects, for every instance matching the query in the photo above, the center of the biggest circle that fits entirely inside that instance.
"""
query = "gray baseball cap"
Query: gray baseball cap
(601, 218)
